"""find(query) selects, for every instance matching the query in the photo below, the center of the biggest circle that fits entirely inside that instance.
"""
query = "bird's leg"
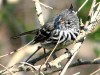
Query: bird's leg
(44, 53)
(47, 66)
(54, 55)
(39, 47)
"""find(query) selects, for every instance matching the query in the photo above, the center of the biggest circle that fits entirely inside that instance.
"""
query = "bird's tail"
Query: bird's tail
(33, 32)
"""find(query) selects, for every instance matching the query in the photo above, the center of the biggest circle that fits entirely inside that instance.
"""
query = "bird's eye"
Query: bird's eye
(69, 22)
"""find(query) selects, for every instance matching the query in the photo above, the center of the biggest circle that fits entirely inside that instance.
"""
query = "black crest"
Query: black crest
(71, 8)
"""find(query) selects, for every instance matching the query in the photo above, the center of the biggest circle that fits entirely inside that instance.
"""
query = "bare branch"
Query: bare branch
(39, 12)
(82, 5)
(98, 70)
(44, 5)
(7, 69)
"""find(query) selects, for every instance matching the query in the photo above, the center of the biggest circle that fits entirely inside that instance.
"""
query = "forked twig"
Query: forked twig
(76, 49)
(7, 69)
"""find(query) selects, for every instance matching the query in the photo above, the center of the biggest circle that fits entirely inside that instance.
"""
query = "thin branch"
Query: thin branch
(97, 4)
(55, 63)
(16, 50)
(90, 13)
(39, 12)
(98, 70)
(84, 62)
(35, 60)
(44, 5)
(82, 5)
(75, 49)
(78, 73)
(7, 69)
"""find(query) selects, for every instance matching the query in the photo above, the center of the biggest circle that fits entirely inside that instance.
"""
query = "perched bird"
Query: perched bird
(64, 28)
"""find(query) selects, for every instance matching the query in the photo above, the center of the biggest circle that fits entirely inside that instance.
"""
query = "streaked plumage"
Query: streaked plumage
(64, 25)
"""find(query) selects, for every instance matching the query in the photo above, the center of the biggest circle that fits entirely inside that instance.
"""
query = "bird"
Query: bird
(64, 27)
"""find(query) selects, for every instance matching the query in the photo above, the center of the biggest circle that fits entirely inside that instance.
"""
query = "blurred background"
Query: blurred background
(17, 16)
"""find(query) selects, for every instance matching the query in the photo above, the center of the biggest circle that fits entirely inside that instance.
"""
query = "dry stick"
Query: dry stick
(21, 67)
(16, 50)
(39, 12)
(67, 65)
(97, 13)
(97, 61)
(76, 49)
(44, 5)
(90, 26)
(82, 6)
(7, 69)
(97, 4)
(58, 60)
(1, 72)
(16, 70)
(78, 73)
(25, 63)
(95, 71)
(91, 12)
(84, 62)
(64, 56)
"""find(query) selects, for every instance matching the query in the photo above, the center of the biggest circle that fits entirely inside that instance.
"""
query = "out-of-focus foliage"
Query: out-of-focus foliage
(14, 23)
(97, 51)
(10, 20)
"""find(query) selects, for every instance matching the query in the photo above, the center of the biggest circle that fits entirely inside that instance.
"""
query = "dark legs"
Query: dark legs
(33, 54)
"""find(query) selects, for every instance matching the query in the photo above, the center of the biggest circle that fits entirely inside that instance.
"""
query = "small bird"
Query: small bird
(64, 28)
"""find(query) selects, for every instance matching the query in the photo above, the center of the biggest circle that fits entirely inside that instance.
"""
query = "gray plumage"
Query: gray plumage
(63, 27)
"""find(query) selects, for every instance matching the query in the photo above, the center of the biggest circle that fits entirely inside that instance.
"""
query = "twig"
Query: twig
(75, 49)
(82, 5)
(78, 73)
(55, 63)
(16, 50)
(7, 69)
(67, 64)
(39, 12)
(97, 4)
(44, 5)
(84, 62)
(33, 61)
(90, 13)
(95, 71)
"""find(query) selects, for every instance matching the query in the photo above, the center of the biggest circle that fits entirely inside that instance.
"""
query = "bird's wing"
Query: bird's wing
(32, 32)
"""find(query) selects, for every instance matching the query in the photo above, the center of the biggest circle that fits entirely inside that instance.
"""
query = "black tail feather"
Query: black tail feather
(25, 33)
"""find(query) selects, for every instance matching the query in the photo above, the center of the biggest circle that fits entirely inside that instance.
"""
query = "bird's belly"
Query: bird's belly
(51, 46)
